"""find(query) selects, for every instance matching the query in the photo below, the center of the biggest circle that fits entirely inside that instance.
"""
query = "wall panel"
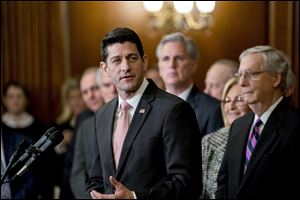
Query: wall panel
(44, 42)
(235, 28)
(31, 53)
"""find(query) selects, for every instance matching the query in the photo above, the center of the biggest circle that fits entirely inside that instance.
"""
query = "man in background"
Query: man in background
(217, 75)
(153, 74)
(82, 160)
(177, 62)
(261, 159)
(91, 95)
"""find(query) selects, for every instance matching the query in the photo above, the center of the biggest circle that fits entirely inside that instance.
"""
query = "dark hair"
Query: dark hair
(15, 84)
(120, 35)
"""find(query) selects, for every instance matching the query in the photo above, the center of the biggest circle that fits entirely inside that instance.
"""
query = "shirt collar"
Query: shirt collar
(133, 101)
(24, 120)
(184, 95)
(264, 118)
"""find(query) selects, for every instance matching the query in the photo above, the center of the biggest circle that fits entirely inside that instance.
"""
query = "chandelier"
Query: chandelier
(179, 15)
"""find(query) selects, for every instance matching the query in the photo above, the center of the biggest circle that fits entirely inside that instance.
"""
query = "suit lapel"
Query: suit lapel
(239, 148)
(142, 111)
(107, 130)
(266, 140)
(192, 98)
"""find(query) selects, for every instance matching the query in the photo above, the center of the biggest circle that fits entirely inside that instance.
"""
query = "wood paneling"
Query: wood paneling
(31, 53)
(236, 27)
(42, 43)
(284, 34)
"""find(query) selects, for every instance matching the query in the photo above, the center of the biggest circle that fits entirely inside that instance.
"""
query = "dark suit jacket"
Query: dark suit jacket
(82, 160)
(207, 109)
(273, 171)
(66, 191)
(161, 155)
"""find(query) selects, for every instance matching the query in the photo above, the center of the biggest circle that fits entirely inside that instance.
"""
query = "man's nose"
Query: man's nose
(125, 65)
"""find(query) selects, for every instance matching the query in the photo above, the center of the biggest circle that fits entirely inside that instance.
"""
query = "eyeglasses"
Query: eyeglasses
(249, 75)
(238, 100)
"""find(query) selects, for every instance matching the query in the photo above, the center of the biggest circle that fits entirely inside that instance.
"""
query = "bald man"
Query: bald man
(217, 75)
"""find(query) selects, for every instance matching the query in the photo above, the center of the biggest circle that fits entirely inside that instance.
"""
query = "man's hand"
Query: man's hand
(121, 191)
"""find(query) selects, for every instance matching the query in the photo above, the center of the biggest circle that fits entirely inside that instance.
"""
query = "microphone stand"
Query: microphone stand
(12, 159)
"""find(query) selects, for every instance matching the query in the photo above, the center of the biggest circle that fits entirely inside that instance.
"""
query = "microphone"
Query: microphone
(12, 159)
(32, 148)
(41, 141)
(53, 140)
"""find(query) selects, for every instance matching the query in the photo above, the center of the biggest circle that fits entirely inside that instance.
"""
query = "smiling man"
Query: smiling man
(146, 148)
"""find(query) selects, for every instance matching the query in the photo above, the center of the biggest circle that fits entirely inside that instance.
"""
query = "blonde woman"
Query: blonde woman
(71, 105)
(213, 145)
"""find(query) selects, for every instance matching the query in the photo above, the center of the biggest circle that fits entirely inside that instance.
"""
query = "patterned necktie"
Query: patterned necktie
(121, 131)
(253, 138)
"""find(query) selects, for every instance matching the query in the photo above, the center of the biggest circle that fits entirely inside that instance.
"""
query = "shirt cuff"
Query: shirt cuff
(134, 195)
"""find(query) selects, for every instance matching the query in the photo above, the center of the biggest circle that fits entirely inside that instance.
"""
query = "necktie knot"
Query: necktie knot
(125, 106)
(258, 123)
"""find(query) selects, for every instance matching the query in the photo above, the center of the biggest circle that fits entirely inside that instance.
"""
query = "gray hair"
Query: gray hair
(190, 45)
(275, 61)
(290, 78)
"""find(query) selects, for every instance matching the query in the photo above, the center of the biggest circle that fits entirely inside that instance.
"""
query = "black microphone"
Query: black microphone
(12, 159)
(53, 140)
(42, 140)
(32, 148)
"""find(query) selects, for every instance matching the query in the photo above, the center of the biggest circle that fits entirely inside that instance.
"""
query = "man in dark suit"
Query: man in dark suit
(82, 161)
(160, 157)
(177, 61)
(91, 96)
(261, 160)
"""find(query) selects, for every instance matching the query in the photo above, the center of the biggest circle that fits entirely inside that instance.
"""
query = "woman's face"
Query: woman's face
(15, 100)
(234, 105)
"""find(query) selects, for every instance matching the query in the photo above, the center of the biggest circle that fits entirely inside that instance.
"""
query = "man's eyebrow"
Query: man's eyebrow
(113, 57)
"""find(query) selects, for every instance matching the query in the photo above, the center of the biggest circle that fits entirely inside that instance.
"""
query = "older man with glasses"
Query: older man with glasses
(261, 160)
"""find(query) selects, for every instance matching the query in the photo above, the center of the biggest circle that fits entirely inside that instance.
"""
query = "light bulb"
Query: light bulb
(153, 6)
(205, 6)
(183, 7)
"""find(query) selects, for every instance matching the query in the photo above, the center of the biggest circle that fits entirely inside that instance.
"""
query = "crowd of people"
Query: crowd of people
(131, 131)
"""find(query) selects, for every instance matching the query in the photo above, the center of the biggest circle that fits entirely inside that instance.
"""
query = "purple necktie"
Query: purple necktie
(253, 138)
(121, 131)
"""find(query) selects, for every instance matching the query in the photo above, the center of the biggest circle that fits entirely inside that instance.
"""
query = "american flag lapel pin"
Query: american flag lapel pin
(142, 110)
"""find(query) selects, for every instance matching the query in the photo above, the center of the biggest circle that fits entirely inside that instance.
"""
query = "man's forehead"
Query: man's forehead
(125, 46)
(253, 59)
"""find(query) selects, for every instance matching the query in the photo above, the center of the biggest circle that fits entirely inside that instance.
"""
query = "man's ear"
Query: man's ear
(103, 66)
(277, 79)
(145, 62)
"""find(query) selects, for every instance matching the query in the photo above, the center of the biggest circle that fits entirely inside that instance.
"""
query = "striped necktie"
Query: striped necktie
(253, 138)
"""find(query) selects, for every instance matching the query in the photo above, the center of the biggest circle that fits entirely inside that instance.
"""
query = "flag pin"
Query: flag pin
(142, 110)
